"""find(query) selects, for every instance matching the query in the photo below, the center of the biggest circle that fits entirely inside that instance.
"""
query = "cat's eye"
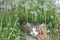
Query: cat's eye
(36, 30)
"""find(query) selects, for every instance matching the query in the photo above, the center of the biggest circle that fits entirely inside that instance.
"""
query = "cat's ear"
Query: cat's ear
(27, 25)
(43, 24)
(23, 21)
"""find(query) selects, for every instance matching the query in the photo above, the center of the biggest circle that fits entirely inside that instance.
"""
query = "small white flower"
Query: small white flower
(5, 28)
(11, 28)
(51, 16)
(48, 31)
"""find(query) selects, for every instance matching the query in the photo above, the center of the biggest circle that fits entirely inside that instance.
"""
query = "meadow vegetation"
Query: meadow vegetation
(38, 11)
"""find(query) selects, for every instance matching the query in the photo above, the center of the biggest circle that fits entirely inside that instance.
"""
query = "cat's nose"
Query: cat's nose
(33, 34)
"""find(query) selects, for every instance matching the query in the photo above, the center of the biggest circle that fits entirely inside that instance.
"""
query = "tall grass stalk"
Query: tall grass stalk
(12, 29)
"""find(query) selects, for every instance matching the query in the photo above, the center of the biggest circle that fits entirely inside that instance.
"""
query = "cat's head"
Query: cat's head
(31, 29)
(36, 29)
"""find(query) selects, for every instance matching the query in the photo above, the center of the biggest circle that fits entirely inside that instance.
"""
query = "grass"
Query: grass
(10, 29)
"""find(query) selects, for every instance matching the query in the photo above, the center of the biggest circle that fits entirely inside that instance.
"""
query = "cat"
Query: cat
(37, 31)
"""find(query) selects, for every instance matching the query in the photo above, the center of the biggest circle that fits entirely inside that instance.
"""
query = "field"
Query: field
(33, 11)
